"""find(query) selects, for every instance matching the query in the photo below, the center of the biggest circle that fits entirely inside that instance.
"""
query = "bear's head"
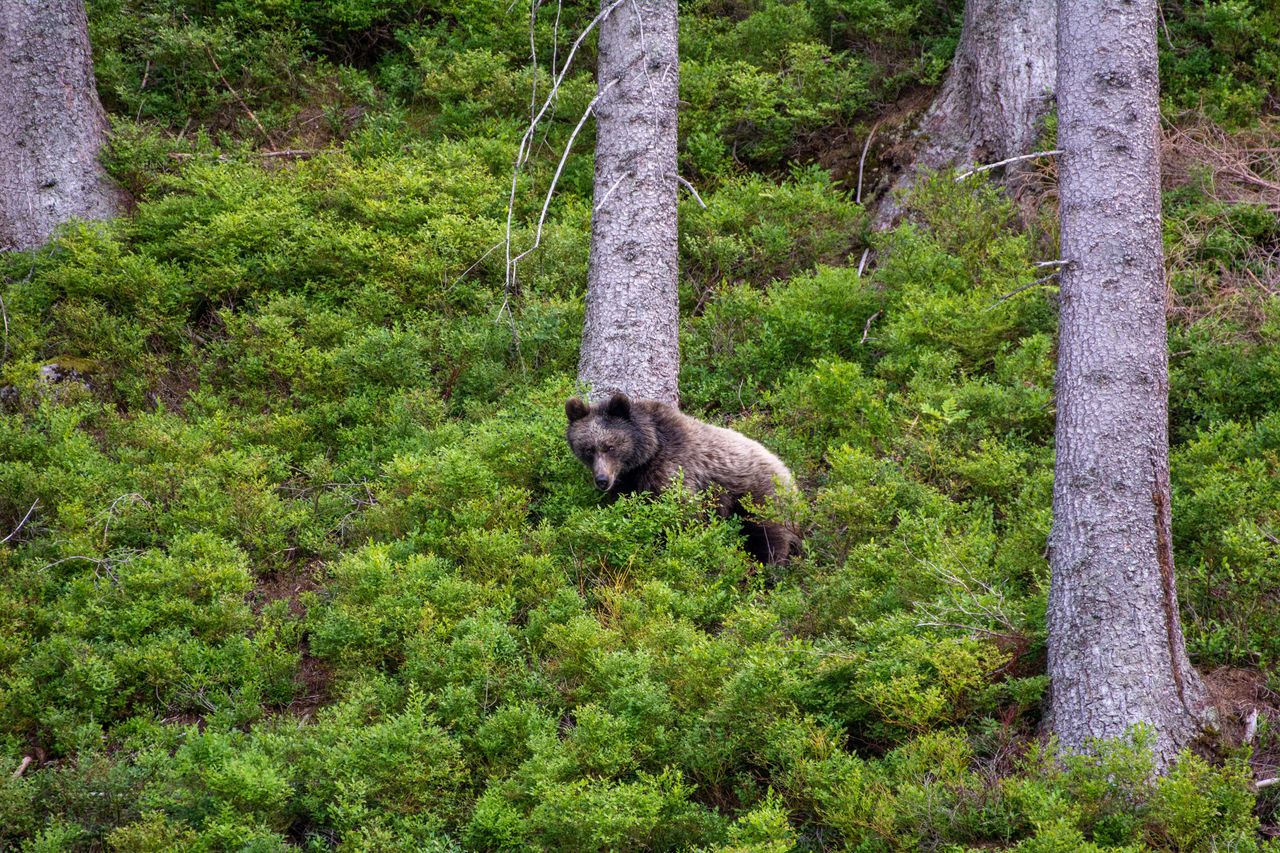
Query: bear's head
(611, 437)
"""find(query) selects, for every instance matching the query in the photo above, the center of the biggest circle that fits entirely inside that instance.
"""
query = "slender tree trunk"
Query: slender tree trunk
(51, 123)
(997, 91)
(1116, 652)
(630, 340)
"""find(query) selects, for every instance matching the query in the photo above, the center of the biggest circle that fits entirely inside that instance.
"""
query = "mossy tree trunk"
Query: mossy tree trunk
(52, 125)
(1116, 650)
(997, 91)
(630, 339)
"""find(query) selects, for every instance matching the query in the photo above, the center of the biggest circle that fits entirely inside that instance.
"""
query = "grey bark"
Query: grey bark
(1116, 650)
(630, 340)
(52, 125)
(999, 87)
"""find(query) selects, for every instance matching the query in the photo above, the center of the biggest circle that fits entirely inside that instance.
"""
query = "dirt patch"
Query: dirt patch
(314, 679)
(1236, 693)
(312, 686)
(288, 584)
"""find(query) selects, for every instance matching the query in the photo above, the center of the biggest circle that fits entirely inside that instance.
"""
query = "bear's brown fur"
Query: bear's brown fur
(641, 446)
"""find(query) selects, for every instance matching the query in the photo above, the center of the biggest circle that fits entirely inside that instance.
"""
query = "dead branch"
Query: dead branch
(292, 153)
(20, 523)
(862, 262)
(863, 160)
(702, 204)
(525, 147)
(232, 89)
(1025, 287)
(866, 329)
(555, 179)
(22, 766)
(1032, 156)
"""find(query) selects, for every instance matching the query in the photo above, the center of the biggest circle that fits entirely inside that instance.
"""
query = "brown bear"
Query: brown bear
(641, 446)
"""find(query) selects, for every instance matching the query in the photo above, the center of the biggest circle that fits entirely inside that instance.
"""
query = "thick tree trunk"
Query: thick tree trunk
(630, 341)
(1116, 652)
(999, 87)
(51, 123)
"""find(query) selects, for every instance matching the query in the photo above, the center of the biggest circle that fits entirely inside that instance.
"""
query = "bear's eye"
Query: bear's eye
(608, 448)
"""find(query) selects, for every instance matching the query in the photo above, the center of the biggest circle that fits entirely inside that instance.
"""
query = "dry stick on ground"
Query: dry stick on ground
(866, 330)
(22, 767)
(232, 89)
(297, 153)
(862, 161)
(21, 523)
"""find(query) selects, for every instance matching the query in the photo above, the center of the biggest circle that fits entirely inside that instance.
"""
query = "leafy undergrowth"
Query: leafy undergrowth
(300, 558)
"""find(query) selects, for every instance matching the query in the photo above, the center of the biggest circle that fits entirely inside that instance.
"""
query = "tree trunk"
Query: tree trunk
(997, 90)
(51, 123)
(1116, 652)
(630, 340)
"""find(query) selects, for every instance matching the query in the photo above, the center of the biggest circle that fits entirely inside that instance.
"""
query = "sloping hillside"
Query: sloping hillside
(300, 557)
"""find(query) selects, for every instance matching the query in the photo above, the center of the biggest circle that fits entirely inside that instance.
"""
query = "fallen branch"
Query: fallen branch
(862, 262)
(1265, 783)
(857, 199)
(20, 523)
(866, 330)
(997, 165)
(232, 89)
(22, 766)
(296, 153)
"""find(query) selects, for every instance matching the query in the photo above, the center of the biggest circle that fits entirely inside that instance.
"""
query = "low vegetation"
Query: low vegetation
(300, 557)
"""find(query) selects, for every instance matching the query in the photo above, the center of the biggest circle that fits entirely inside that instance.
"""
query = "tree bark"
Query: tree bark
(52, 125)
(999, 87)
(1116, 651)
(630, 340)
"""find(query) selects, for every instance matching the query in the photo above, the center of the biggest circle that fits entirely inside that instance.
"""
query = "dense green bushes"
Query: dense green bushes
(308, 563)
(306, 469)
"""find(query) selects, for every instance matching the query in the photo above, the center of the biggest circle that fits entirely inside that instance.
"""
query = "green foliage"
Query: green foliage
(1222, 57)
(306, 561)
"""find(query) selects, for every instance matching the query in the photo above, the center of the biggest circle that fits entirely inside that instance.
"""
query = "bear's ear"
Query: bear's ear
(619, 406)
(575, 409)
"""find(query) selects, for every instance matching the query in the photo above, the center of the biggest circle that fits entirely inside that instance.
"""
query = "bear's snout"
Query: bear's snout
(602, 482)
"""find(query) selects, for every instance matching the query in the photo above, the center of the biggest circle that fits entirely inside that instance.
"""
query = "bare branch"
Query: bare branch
(866, 330)
(1000, 163)
(863, 160)
(20, 523)
(609, 192)
(862, 262)
(522, 153)
(497, 245)
(1250, 727)
(555, 179)
(702, 204)
(232, 89)
(1016, 291)
(22, 766)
